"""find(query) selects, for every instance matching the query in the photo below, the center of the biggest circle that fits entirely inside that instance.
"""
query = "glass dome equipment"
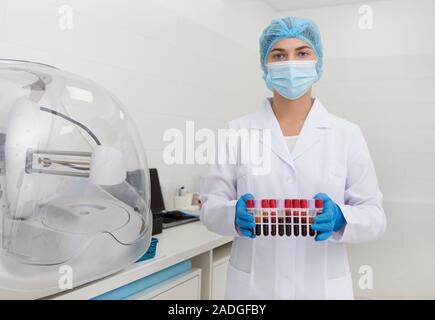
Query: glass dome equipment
(74, 182)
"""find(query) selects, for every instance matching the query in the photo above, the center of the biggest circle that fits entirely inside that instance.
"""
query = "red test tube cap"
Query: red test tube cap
(319, 203)
(295, 203)
(265, 203)
(288, 203)
(250, 203)
(303, 203)
(272, 203)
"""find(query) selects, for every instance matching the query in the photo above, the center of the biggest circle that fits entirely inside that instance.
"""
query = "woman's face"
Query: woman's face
(290, 49)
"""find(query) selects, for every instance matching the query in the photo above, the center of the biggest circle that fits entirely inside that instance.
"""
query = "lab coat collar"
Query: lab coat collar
(318, 118)
(264, 118)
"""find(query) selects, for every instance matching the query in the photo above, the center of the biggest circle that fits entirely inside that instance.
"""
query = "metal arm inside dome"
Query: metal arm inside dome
(104, 165)
(79, 164)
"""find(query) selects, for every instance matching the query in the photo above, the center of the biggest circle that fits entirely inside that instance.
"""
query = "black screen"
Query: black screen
(157, 204)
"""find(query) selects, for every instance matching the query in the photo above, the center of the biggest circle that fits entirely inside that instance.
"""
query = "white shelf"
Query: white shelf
(221, 254)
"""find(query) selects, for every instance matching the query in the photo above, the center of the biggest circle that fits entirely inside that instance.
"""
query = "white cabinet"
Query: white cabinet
(219, 279)
(183, 287)
(221, 257)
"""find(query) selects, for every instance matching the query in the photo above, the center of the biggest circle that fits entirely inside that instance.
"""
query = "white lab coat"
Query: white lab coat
(330, 156)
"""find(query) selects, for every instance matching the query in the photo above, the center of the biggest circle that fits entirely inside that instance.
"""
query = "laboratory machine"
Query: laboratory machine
(74, 182)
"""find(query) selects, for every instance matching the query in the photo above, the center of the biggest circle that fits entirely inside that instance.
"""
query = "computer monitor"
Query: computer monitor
(171, 218)
(157, 203)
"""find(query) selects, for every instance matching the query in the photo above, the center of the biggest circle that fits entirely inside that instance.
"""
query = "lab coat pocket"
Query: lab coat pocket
(237, 284)
(337, 264)
(241, 254)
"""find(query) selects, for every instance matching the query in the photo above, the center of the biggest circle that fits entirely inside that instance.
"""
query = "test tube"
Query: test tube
(280, 213)
(311, 214)
(288, 217)
(303, 213)
(257, 204)
(272, 206)
(295, 211)
(264, 206)
(250, 205)
(319, 208)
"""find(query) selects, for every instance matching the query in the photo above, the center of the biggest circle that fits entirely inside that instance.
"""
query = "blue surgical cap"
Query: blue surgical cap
(291, 27)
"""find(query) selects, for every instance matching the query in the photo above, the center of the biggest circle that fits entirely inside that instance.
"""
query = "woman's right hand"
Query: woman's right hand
(244, 221)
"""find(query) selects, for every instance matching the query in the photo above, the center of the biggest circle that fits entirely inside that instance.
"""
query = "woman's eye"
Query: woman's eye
(279, 56)
(303, 54)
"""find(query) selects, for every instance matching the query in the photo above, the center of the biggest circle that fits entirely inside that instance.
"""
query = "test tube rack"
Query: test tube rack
(284, 217)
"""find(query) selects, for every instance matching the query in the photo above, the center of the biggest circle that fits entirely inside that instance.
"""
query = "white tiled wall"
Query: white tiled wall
(167, 61)
(384, 80)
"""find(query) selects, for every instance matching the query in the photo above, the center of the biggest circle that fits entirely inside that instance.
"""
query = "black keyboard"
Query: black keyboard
(175, 217)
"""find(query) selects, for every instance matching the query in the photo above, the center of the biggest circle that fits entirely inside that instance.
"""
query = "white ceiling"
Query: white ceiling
(287, 5)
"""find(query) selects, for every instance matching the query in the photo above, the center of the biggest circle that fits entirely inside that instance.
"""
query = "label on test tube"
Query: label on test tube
(288, 217)
(250, 205)
(280, 214)
(311, 214)
(295, 214)
(258, 212)
(303, 213)
(264, 206)
(319, 208)
(272, 220)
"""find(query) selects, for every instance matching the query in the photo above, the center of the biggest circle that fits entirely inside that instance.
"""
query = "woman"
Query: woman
(313, 154)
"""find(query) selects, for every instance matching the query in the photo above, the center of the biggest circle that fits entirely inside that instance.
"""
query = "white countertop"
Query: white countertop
(175, 245)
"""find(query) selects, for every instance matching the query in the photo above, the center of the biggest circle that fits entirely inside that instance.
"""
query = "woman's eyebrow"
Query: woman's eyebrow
(278, 49)
(303, 47)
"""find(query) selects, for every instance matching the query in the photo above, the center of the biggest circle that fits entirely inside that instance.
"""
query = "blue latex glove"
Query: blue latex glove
(244, 221)
(331, 219)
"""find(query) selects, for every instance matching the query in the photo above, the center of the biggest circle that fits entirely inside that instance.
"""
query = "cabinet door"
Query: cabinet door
(219, 280)
(186, 286)
(188, 290)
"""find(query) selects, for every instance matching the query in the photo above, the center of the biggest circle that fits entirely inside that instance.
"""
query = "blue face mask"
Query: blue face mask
(291, 79)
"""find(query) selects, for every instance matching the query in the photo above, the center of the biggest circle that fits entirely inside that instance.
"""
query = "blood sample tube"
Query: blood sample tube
(264, 207)
(311, 214)
(295, 211)
(258, 212)
(319, 208)
(250, 205)
(303, 203)
(272, 206)
(288, 217)
(280, 213)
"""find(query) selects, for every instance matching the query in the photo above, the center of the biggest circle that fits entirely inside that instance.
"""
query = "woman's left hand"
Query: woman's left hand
(331, 220)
